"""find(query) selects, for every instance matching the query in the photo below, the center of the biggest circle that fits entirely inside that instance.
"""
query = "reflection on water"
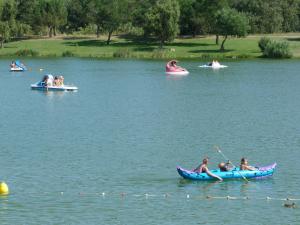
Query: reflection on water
(174, 77)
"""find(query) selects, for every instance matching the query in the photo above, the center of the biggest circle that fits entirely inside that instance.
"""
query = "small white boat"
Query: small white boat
(17, 69)
(42, 87)
(17, 66)
(178, 73)
(213, 65)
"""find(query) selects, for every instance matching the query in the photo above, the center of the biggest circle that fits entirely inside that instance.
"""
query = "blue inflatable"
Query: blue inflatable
(17, 66)
(20, 65)
(261, 172)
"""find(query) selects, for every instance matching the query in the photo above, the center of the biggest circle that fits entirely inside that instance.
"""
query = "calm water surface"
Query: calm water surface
(128, 127)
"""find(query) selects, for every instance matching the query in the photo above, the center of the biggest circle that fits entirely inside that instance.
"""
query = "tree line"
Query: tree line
(159, 19)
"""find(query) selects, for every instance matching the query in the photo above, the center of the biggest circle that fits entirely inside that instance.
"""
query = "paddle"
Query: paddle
(219, 150)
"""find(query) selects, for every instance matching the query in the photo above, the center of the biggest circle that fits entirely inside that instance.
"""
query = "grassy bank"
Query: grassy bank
(184, 48)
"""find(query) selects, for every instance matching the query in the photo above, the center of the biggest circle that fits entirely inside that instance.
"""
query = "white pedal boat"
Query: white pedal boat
(17, 69)
(17, 66)
(213, 65)
(40, 86)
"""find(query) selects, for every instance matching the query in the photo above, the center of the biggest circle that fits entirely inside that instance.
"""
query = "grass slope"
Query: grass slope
(184, 48)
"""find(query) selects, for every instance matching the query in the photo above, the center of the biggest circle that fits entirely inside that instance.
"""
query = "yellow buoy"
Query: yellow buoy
(4, 188)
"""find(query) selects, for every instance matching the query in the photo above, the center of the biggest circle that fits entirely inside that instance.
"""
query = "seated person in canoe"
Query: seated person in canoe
(245, 166)
(202, 168)
(224, 167)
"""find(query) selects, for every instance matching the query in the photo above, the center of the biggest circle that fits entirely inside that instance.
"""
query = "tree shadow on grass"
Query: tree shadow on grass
(146, 46)
(101, 43)
(87, 43)
(188, 44)
(15, 39)
(293, 39)
(145, 49)
(5, 46)
(75, 38)
(210, 51)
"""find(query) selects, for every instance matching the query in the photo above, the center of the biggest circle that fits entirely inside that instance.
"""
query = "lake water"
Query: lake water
(128, 127)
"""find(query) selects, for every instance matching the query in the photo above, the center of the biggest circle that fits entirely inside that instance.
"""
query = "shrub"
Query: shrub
(27, 52)
(277, 50)
(263, 42)
(160, 54)
(122, 53)
(67, 54)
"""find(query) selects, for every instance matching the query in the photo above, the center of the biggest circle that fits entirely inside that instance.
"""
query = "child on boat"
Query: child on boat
(13, 64)
(202, 168)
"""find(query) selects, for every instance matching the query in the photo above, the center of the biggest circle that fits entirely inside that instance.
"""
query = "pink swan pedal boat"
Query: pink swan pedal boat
(173, 69)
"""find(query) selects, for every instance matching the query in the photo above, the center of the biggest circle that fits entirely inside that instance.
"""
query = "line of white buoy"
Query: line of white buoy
(4, 190)
(168, 195)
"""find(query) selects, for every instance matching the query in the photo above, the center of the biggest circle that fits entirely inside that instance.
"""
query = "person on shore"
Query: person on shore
(245, 166)
(202, 168)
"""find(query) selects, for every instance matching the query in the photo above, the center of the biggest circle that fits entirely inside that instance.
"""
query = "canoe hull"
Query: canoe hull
(236, 173)
(53, 88)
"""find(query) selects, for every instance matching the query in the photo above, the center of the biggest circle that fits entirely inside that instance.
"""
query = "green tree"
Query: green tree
(25, 11)
(52, 14)
(79, 12)
(290, 10)
(267, 16)
(4, 32)
(199, 16)
(210, 9)
(231, 23)
(7, 20)
(8, 10)
(162, 20)
(109, 15)
(138, 14)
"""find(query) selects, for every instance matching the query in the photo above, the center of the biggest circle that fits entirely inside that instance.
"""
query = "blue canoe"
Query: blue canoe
(261, 172)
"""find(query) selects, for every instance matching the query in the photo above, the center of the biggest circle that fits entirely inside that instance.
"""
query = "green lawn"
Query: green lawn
(184, 48)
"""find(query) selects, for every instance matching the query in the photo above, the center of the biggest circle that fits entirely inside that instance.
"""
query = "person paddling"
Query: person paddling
(244, 165)
(202, 168)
